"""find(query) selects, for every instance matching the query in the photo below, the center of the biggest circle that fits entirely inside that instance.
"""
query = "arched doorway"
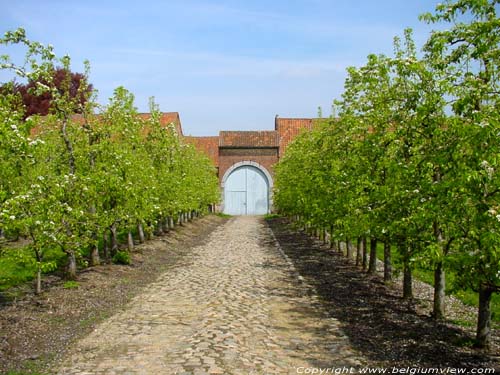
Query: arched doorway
(246, 190)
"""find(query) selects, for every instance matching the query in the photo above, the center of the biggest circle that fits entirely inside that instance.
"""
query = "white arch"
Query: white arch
(260, 167)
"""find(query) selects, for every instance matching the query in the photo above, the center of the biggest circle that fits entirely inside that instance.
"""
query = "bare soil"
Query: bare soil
(37, 331)
(379, 323)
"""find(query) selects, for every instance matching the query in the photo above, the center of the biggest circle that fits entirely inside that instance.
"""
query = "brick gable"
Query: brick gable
(260, 139)
(289, 128)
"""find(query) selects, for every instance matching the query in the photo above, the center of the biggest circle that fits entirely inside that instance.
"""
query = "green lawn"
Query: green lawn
(13, 270)
(17, 265)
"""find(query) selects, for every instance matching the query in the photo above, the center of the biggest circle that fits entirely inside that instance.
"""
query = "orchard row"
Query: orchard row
(411, 157)
(70, 183)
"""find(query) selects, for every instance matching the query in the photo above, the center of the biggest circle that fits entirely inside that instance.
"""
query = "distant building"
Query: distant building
(245, 161)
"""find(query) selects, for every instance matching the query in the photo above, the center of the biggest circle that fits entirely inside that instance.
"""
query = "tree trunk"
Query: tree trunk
(105, 244)
(171, 224)
(114, 239)
(358, 251)
(372, 268)
(69, 146)
(130, 241)
(387, 261)
(365, 255)
(71, 266)
(38, 282)
(159, 228)
(94, 255)
(349, 248)
(140, 230)
(332, 239)
(439, 275)
(407, 281)
(94, 251)
(439, 292)
(483, 332)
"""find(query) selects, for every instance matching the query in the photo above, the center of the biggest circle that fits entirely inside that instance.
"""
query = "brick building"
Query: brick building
(245, 161)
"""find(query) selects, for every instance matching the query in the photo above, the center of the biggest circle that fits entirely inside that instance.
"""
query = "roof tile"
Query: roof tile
(208, 145)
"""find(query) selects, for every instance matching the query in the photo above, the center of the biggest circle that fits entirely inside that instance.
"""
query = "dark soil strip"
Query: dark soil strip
(380, 325)
(36, 331)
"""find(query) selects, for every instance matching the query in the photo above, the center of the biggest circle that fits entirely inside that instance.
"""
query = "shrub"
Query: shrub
(122, 257)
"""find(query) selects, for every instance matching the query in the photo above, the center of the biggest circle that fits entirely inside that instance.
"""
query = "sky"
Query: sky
(223, 65)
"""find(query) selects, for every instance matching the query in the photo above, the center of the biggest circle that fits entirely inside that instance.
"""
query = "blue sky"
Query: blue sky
(223, 65)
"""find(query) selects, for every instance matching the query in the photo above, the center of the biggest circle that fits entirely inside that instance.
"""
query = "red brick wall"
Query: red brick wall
(289, 128)
(266, 157)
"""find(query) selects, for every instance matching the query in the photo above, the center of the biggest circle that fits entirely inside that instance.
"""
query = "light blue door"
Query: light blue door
(246, 192)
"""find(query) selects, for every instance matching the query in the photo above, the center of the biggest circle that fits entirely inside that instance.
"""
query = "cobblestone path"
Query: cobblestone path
(236, 307)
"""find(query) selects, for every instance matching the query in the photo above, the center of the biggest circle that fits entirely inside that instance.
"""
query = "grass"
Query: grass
(71, 285)
(462, 323)
(17, 265)
(468, 297)
(13, 272)
(221, 214)
(271, 216)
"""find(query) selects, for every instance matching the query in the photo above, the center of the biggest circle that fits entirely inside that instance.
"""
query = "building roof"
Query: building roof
(289, 128)
(167, 118)
(208, 145)
(267, 138)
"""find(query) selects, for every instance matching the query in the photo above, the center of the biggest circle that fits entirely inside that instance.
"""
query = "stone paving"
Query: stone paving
(237, 307)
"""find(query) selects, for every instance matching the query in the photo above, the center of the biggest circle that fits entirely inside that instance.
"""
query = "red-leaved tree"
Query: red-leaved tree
(74, 84)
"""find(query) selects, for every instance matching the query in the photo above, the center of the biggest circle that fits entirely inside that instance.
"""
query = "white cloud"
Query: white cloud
(218, 64)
